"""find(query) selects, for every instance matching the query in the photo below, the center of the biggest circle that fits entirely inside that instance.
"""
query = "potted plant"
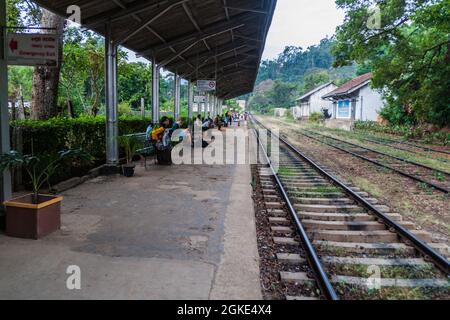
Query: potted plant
(130, 144)
(36, 215)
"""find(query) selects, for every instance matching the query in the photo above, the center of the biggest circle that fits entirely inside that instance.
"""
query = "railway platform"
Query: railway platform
(179, 232)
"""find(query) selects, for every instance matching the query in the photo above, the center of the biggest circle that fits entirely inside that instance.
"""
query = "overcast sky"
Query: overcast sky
(301, 23)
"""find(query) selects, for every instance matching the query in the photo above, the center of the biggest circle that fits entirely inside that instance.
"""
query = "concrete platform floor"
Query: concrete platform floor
(180, 232)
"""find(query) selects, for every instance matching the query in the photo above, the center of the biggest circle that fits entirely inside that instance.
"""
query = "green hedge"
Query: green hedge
(87, 133)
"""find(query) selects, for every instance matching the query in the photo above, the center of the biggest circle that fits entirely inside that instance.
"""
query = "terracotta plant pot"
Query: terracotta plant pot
(33, 221)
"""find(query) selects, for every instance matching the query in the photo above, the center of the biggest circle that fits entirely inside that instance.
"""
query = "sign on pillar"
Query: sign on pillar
(206, 85)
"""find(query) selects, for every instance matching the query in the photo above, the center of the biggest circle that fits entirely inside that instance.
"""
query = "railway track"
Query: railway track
(398, 145)
(431, 177)
(347, 237)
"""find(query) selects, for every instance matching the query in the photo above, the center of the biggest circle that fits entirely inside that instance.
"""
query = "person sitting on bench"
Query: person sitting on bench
(161, 137)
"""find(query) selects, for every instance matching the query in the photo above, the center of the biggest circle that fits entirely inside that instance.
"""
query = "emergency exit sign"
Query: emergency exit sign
(28, 49)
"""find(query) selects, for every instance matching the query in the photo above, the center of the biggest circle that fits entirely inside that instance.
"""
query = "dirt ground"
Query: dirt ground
(429, 210)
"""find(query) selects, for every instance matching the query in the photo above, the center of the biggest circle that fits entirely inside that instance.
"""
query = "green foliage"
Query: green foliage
(85, 133)
(408, 55)
(130, 145)
(293, 73)
(124, 109)
(19, 82)
(316, 117)
(21, 13)
(294, 62)
(83, 71)
(134, 83)
(282, 95)
(41, 168)
(232, 104)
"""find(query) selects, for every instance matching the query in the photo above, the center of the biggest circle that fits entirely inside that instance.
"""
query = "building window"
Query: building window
(343, 109)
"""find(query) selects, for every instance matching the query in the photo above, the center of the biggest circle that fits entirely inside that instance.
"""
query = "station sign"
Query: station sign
(206, 85)
(35, 49)
(200, 99)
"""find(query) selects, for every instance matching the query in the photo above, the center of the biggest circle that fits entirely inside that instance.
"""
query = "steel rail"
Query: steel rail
(440, 261)
(405, 174)
(413, 145)
(424, 148)
(381, 153)
(387, 144)
(313, 259)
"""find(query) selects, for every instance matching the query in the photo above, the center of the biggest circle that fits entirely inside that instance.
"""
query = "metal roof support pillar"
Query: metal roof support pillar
(217, 106)
(112, 124)
(155, 92)
(5, 177)
(190, 101)
(211, 104)
(177, 97)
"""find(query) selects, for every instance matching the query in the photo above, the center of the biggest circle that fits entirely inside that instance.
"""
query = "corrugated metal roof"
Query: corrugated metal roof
(310, 93)
(197, 39)
(350, 86)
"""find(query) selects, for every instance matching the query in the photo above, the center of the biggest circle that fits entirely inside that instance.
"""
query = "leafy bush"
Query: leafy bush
(125, 109)
(316, 117)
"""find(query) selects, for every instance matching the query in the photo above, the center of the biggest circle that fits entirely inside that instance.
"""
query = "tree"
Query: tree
(409, 54)
(282, 95)
(19, 89)
(44, 103)
(134, 82)
(315, 78)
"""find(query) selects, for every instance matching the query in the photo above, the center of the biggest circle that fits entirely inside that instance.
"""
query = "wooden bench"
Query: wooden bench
(147, 151)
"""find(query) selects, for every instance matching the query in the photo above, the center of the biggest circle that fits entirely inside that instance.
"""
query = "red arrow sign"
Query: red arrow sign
(13, 45)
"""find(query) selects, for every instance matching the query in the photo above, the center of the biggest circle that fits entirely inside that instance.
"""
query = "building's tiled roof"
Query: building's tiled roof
(310, 93)
(350, 86)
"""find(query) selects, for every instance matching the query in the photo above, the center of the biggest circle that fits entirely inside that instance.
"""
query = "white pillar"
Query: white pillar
(5, 177)
(190, 101)
(177, 97)
(112, 125)
(155, 92)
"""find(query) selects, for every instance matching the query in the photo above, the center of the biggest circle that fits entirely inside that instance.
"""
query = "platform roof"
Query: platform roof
(197, 39)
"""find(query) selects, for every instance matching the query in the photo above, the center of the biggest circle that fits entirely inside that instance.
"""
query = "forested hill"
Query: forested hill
(294, 72)
(292, 64)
